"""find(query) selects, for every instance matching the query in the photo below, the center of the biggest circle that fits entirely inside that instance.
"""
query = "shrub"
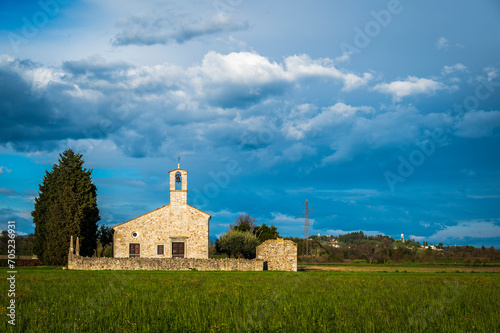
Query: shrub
(239, 243)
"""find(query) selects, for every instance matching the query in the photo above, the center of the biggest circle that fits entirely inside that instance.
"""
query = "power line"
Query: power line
(307, 227)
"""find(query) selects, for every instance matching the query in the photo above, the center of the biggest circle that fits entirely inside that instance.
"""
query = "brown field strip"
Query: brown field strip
(375, 268)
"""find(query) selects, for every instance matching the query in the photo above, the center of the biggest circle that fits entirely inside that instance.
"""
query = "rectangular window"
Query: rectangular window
(160, 249)
(134, 251)
(177, 250)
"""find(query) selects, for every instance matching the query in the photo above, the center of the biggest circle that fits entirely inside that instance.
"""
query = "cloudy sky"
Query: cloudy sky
(385, 115)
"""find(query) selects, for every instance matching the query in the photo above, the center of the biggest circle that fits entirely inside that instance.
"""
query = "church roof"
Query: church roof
(178, 169)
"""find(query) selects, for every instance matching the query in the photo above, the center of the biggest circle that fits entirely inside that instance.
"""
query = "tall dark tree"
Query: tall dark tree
(105, 235)
(40, 213)
(265, 232)
(244, 222)
(66, 205)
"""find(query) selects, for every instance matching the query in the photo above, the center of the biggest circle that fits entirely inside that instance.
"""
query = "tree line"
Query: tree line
(379, 249)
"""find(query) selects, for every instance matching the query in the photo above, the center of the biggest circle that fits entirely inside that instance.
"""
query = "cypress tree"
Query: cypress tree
(40, 214)
(66, 205)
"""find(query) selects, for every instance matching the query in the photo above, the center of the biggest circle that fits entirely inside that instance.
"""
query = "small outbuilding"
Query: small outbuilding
(278, 255)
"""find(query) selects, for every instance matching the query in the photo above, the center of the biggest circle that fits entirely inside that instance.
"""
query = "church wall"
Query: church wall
(171, 223)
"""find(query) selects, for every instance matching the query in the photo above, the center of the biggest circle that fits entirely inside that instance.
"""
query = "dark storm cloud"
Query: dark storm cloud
(227, 101)
(95, 67)
(38, 108)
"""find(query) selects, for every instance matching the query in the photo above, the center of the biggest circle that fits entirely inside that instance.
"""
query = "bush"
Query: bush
(239, 243)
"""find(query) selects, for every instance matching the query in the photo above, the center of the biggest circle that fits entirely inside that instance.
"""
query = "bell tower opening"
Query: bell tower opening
(178, 181)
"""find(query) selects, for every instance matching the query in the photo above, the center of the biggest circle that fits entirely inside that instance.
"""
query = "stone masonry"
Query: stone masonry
(278, 255)
(168, 264)
(176, 222)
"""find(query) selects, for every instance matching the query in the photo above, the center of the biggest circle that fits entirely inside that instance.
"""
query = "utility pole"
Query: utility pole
(307, 227)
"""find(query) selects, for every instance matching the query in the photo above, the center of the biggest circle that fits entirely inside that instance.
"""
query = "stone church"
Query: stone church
(176, 230)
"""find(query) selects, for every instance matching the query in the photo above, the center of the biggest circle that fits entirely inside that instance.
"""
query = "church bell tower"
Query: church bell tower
(178, 186)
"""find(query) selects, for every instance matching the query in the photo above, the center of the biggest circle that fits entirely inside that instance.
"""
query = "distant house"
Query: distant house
(174, 230)
(334, 242)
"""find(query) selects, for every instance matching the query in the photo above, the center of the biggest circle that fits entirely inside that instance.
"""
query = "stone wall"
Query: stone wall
(274, 255)
(278, 255)
(168, 264)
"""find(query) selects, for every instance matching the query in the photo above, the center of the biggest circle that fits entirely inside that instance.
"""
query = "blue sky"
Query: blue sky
(385, 115)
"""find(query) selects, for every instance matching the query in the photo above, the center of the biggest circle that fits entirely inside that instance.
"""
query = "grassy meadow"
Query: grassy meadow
(56, 300)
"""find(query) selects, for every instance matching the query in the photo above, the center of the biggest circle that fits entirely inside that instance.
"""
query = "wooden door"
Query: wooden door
(134, 250)
(177, 250)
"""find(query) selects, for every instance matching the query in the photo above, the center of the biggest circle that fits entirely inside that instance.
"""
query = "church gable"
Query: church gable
(142, 219)
(194, 210)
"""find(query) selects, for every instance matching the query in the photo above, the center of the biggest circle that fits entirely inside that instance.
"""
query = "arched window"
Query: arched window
(178, 181)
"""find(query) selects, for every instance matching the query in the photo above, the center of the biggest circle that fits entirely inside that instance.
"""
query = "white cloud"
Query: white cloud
(41, 77)
(88, 94)
(455, 68)
(483, 196)
(476, 124)
(38, 77)
(411, 86)
(4, 169)
(303, 66)
(465, 229)
(245, 77)
(337, 114)
(344, 57)
(249, 68)
(226, 213)
(491, 73)
(297, 152)
(280, 217)
(442, 43)
(239, 68)
(26, 214)
(136, 183)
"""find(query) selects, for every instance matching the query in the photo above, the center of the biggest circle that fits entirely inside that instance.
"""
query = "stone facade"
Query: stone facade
(157, 231)
(278, 255)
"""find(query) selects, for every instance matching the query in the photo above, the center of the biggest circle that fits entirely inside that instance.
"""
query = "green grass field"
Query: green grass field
(56, 300)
